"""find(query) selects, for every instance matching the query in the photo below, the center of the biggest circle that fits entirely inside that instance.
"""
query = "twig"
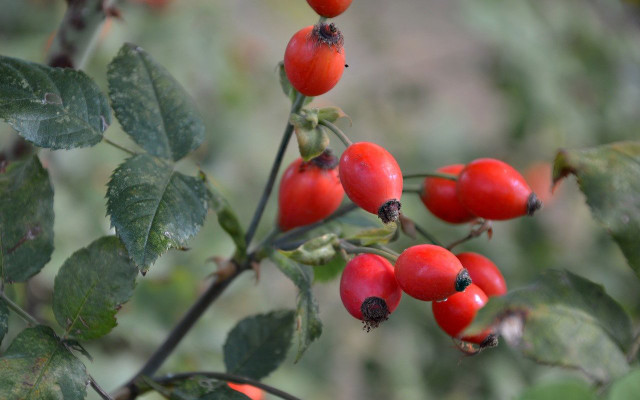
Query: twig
(427, 235)
(117, 146)
(431, 175)
(484, 227)
(337, 131)
(412, 189)
(28, 318)
(352, 249)
(101, 392)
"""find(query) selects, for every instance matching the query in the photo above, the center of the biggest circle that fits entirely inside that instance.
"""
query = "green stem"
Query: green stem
(484, 227)
(352, 249)
(101, 392)
(337, 131)
(431, 175)
(427, 235)
(30, 320)
(412, 189)
(117, 146)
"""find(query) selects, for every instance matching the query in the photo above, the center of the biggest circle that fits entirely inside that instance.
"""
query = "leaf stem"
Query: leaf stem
(288, 131)
(337, 131)
(101, 392)
(28, 318)
(484, 227)
(412, 189)
(228, 378)
(351, 249)
(431, 175)
(117, 146)
(427, 235)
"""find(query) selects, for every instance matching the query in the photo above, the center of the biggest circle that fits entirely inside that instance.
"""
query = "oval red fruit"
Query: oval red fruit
(314, 59)
(369, 290)
(428, 272)
(309, 191)
(372, 179)
(440, 197)
(492, 189)
(329, 8)
(484, 273)
(457, 312)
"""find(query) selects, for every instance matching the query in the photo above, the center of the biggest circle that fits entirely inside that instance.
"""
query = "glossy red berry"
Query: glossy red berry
(314, 59)
(493, 189)
(329, 8)
(372, 179)
(457, 312)
(430, 273)
(250, 391)
(484, 273)
(309, 191)
(369, 290)
(439, 195)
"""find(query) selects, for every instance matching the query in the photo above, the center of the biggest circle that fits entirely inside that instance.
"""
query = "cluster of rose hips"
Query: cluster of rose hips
(371, 287)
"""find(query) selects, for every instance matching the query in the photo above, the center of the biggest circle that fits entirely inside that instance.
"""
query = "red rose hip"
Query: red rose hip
(369, 290)
(484, 273)
(329, 8)
(457, 312)
(309, 191)
(440, 197)
(372, 179)
(428, 272)
(493, 189)
(314, 59)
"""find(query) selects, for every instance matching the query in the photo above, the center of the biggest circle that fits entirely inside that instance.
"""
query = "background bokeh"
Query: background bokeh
(436, 82)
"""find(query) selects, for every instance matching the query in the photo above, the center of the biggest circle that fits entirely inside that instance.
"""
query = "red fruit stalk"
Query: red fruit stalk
(492, 189)
(428, 272)
(372, 179)
(440, 197)
(484, 273)
(309, 191)
(329, 8)
(369, 290)
(457, 312)
(314, 59)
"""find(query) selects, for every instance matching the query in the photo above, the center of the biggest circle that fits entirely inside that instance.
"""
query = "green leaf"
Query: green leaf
(36, 366)
(227, 218)
(287, 89)
(566, 390)
(203, 388)
(317, 251)
(90, 287)
(330, 270)
(609, 176)
(562, 319)
(308, 325)
(373, 236)
(626, 387)
(331, 114)
(153, 207)
(257, 345)
(52, 107)
(151, 105)
(4, 319)
(26, 220)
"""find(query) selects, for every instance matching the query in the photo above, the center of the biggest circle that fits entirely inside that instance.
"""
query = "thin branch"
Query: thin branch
(337, 131)
(352, 249)
(28, 318)
(101, 392)
(431, 175)
(286, 136)
(117, 146)
(412, 189)
(484, 227)
(427, 235)
(229, 378)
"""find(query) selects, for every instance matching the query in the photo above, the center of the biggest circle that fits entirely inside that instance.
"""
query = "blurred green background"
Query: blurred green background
(436, 83)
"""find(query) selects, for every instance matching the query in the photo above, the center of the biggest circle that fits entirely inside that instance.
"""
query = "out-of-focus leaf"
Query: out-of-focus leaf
(227, 218)
(626, 387)
(381, 235)
(308, 325)
(562, 319)
(154, 208)
(26, 220)
(257, 345)
(90, 287)
(37, 366)
(4, 319)
(152, 107)
(52, 107)
(317, 251)
(330, 270)
(566, 390)
(609, 176)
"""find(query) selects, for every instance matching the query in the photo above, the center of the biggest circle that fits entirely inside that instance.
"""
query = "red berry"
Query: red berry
(372, 179)
(440, 197)
(492, 189)
(369, 290)
(314, 59)
(250, 391)
(484, 273)
(430, 273)
(329, 8)
(309, 191)
(457, 312)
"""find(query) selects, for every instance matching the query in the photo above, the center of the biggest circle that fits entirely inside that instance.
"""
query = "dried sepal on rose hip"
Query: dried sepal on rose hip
(309, 191)
(368, 289)
(440, 197)
(329, 8)
(493, 189)
(430, 273)
(314, 59)
(372, 179)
